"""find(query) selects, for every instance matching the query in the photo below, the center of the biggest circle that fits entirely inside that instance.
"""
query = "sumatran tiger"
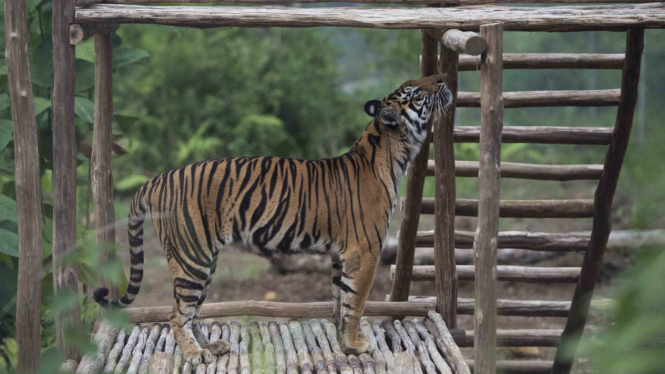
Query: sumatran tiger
(339, 206)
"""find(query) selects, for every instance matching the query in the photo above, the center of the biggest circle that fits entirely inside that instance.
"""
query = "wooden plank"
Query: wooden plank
(574, 208)
(415, 181)
(489, 180)
(65, 276)
(442, 2)
(536, 241)
(549, 61)
(529, 99)
(561, 173)
(516, 338)
(540, 134)
(459, 41)
(28, 188)
(444, 153)
(508, 273)
(602, 222)
(100, 161)
(563, 18)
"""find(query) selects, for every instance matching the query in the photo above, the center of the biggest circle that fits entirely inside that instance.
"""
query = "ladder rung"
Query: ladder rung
(526, 99)
(519, 366)
(549, 61)
(519, 338)
(539, 135)
(528, 171)
(537, 241)
(508, 273)
(574, 208)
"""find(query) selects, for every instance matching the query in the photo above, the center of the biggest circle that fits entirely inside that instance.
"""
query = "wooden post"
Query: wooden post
(100, 162)
(28, 188)
(489, 176)
(414, 192)
(64, 169)
(602, 220)
(444, 207)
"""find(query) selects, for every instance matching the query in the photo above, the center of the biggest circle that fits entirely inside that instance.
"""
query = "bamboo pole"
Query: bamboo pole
(139, 333)
(244, 349)
(291, 356)
(161, 363)
(415, 182)
(202, 368)
(325, 348)
(112, 357)
(144, 360)
(420, 346)
(354, 362)
(269, 350)
(486, 243)
(572, 208)
(395, 339)
(304, 358)
(561, 18)
(224, 359)
(314, 350)
(234, 352)
(340, 357)
(446, 343)
(434, 354)
(64, 170)
(444, 212)
(28, 188)
(215, 334)
(560, 173)
(602, 222)
(383, 346)
(257, 347)
(410, 347)
(377, 355)
(177, 360)
(100, 161)
(367, 363)
(280, 359)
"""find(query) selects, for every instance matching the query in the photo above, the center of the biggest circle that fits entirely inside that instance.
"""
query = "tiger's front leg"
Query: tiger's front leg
(336, 291)
(358, 268)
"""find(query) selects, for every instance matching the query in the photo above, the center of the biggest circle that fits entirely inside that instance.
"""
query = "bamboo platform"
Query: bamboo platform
(307, 346)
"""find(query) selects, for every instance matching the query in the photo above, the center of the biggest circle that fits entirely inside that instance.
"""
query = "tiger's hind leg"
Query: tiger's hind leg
(216, 348)
(188, 291)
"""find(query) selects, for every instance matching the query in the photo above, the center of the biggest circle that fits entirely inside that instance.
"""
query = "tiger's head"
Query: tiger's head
(405, 112)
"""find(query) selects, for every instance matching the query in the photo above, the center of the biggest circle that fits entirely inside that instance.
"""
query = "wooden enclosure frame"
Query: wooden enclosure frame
(77, 20)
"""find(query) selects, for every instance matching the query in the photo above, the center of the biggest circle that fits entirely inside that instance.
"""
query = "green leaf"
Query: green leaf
(8, 209)
(41, 104)
(84, 109)
(4, 101)
(41, 66)
(85, 75)
(86, 50)
(131, 183)
(6, 135)
(124, 56)
(8, 243)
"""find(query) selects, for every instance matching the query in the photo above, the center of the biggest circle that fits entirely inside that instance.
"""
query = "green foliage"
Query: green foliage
(634, 342)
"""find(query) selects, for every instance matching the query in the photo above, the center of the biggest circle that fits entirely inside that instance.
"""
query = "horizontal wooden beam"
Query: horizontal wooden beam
(528, 171)
(549, 61)
(81, 32)
(460, 41)
(530, 99)
(536, 241)
(574, 208)
(519, 338)
(508, 273)
(563, 18)
(519, 366)
(441, 2)
(540, 135)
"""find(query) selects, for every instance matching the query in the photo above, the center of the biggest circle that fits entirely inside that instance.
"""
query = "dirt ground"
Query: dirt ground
(242, 276)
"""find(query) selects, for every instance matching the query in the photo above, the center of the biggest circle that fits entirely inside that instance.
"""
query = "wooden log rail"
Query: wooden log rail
(508, 273)
(441, 2)
(564, 18)
(459, 41)
(81, 32)
(549, 61)
(574, 208)
(519, 366)
(540, 135)
(528, 99)
(536, 241)
(515, 170)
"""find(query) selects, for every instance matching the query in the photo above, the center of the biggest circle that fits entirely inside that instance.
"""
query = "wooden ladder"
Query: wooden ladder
(487, 239)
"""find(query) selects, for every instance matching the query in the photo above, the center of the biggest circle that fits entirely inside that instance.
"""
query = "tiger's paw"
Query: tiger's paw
(219, 347)
(362, 345)
(195, 357)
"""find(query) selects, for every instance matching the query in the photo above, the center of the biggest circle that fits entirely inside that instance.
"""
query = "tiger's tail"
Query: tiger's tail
(135, 231)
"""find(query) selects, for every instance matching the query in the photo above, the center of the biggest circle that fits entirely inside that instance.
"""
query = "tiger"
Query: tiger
(338, 206)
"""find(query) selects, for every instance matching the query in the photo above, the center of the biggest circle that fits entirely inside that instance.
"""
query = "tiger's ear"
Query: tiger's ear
(372, 107)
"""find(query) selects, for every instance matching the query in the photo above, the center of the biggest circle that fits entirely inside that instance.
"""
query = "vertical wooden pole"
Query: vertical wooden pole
(64, 169)
(28, 189)
(489, 176)
(444, 207)
(101, 167)
(414, 193)
(602, 219)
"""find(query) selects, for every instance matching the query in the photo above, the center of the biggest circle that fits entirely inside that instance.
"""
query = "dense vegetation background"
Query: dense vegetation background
(183, 95)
